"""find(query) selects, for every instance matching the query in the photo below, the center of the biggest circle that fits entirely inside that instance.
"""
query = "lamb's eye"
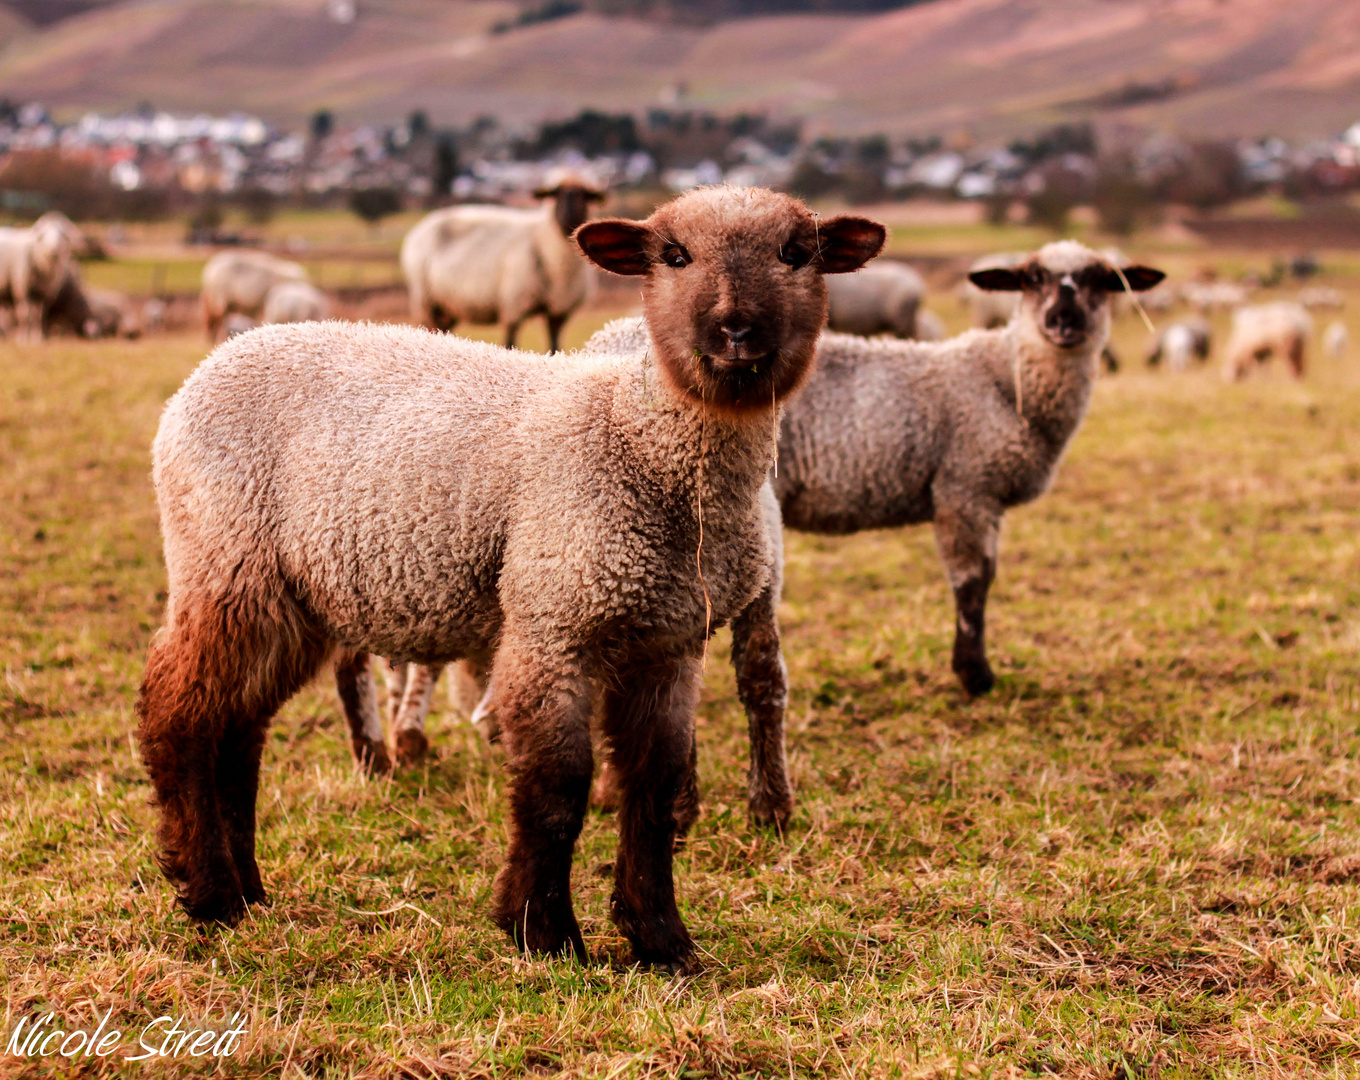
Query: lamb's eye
(1036, 276)
(675, 256)
(794, 255)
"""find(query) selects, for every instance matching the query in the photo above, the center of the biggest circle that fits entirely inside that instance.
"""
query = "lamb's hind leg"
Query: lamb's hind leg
(763, 686)
(359, 697)
(213, 680)
(968, 546)
(408, 726)
(649, 723)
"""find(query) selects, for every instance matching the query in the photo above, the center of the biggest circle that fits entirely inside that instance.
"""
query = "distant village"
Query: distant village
(149, 163)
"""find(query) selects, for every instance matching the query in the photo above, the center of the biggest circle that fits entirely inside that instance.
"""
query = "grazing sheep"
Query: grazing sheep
(295, 302)
(1264, 330)
(1207, 296)
(991, 309)
(238, 282)
(34, 265)
(1180, 343)
(497, 264)
(1335, 339)
(883, 298)
(1321, 296)
(584, 521)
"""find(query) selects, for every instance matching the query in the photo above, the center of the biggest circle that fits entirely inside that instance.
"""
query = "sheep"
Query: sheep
(990, 309)
(929, 326)
(489, 264)
(1335, 339)
(294, 302)
(1261, 331)
(583, 522)
(236, 324)
(1321, 296)
(1180, 343)
(883, 298)
(238, 282)
(154, 313)
(1207, 296)
(34, 264)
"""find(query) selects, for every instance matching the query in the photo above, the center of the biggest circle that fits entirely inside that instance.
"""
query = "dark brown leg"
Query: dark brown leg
(968, 547)
(511, 332)
(649, 723)
(354, 682)
(213, 680)
(555, 324)
(763, 686)
(544, 707)
(1296, 357)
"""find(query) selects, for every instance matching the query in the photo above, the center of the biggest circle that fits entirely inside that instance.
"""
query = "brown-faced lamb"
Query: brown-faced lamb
(294, 302)
(238, 282)
(499, 264)
(1182, 343)
(34, 265)
(1261, 331)
(332, 489)
(883, 298)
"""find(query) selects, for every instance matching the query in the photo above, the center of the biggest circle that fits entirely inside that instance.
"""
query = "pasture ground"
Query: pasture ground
(1139, 857)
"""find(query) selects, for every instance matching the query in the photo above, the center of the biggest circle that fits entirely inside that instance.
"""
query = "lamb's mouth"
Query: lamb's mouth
(1065, 337)
(731, 364)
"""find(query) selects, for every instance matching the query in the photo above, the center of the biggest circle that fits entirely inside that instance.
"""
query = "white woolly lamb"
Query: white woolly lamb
(1262, 331)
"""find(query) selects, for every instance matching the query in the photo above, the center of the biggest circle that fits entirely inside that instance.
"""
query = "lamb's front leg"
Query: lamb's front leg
(763, 686)
(543, 701)
(408, 719)
(649, 724)
(967, 538)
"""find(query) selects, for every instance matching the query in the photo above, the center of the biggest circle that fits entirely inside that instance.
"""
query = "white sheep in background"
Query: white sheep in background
(1335, 339)
(1207, 296)
(929, 326)
(498, 264)
(1180, 344)
(1261, 331)
(237, 282)
(236, 324)
(295, 302)
(583, 521)
(1321, 296)
(34, 265)
(883, 298)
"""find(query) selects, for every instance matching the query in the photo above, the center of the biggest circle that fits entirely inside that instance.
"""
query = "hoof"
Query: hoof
(224, 906)
(372, 757)
(770, 811)
(536, 924)
(411, 746)
(976, 677)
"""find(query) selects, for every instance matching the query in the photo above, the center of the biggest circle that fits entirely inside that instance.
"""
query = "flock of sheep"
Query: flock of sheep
(570, 529)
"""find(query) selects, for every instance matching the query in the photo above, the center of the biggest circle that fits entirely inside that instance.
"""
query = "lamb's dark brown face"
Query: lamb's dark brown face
(1066, 286)
(733, 295)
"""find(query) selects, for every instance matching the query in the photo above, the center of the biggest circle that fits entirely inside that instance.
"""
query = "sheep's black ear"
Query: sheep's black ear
(615, 244)
(1140, 279)
(998, 279)
(846, 243)
(594, 195)
(547, 192)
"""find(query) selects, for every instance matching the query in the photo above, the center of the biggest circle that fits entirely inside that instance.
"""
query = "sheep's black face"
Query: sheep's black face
(734, 296)
(571, 203)
(1066, 286)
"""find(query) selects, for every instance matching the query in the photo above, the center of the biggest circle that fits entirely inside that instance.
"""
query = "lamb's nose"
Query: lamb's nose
(736, 334)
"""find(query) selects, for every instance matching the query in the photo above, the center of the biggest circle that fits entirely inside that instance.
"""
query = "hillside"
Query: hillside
(988, 66)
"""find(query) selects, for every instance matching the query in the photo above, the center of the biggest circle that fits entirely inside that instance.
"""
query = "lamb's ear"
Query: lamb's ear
(594, 195)
(547, 192)
(615, 244)
(998, 279)
(1140, 279)
(846, 243)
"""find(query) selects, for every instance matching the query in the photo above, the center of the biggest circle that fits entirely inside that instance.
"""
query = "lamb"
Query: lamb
(490, 264)
(294, 302)
(34, 264)
(1335, 339)
(237, 282)
(1180, 343)
(1261, 331)
(883, 298)
(335, 489)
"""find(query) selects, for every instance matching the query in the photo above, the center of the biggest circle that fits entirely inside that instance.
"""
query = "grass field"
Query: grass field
(1139, 857)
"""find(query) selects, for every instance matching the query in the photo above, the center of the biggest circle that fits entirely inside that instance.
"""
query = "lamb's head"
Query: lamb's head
(1065, 287)
(733, 294)
(571, 196)
(51, 249)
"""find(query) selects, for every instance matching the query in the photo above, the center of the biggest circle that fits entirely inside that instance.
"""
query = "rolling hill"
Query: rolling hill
(990, 67)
